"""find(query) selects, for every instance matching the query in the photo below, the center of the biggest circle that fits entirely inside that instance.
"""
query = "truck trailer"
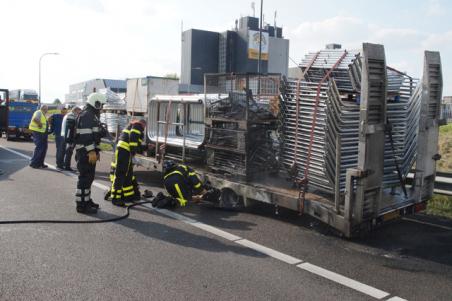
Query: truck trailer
(243, 137)
(20, 107)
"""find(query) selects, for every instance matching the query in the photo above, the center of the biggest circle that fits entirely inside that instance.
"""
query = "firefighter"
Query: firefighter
(88, 133)
(182, 182)
(124, 186)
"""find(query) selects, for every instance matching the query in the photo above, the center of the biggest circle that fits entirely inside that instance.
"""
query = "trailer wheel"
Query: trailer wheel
(230, 200)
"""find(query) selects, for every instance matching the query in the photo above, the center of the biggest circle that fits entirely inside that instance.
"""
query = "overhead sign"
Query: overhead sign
(253, 45)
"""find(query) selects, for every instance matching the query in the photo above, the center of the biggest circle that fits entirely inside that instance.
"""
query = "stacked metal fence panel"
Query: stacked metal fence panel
(403, 105)
(338, 121)
(114, 113)
(316, 64)
(297, 130)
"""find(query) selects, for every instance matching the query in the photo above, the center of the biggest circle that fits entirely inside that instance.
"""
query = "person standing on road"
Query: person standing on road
(55, 127)
(87, 140)
(67, 135)
(39, 128)
(124, 186)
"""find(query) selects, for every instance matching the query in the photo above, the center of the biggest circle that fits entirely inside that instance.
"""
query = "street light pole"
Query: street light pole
(40, 59)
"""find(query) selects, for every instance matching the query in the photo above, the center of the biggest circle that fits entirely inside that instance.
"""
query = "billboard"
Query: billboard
(253, 45)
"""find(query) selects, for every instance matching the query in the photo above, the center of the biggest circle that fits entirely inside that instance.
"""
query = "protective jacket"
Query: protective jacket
(182, 182)
(34, 126)
(87, 133)
(124, 186)
(68, 127)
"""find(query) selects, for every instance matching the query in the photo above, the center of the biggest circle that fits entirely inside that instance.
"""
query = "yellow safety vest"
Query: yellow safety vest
(34, 126)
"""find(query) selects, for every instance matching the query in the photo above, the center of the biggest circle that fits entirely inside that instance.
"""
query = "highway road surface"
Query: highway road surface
(199, 252)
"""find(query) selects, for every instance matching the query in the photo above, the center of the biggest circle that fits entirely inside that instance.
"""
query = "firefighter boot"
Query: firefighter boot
(92, 204)
(116, 198)
(84, 207)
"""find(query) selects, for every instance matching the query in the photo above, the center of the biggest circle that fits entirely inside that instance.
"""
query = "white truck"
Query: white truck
(141, 90)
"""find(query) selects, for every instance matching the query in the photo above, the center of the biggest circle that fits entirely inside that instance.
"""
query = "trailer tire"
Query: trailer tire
(230, 200)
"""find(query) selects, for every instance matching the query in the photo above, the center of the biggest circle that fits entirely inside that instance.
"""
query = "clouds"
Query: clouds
(119, 39)
(95, 38)
(435, 8)
(404, 45)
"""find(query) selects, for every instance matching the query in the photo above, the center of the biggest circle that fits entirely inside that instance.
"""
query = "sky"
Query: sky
(120, 39)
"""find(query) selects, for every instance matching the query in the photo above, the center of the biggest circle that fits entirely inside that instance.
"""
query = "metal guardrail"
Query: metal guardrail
(443, 182)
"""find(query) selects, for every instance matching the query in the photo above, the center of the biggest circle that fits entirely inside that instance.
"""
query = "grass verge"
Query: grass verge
(445, 148)
(440, 205)
(105, 147)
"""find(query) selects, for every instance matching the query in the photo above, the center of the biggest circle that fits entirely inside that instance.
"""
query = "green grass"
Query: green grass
(105, 147)
(445, 148)
(440, 205)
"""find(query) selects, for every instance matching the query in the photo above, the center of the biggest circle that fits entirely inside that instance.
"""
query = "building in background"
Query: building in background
(79, 92)
(446, 109)
(231, 51)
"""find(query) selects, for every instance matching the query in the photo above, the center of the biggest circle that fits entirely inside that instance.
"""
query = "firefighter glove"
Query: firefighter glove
(92, 157)
(182, 202)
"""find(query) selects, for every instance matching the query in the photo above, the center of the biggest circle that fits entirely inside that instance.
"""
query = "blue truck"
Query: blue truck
(16, 112)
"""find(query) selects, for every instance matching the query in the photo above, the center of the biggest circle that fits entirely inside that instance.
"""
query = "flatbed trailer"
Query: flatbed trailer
(279, 192)
(365, 202)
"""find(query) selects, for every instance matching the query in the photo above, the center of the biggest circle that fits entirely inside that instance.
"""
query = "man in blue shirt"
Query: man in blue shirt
(55, 125)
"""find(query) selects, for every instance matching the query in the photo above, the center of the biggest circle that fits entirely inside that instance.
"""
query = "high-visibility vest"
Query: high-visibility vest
(34, 126)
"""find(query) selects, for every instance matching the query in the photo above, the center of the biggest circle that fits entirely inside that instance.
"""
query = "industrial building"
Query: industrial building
(232, 51)
(79, 92)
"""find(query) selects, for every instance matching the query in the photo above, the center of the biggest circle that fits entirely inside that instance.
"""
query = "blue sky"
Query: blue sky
(119, 39)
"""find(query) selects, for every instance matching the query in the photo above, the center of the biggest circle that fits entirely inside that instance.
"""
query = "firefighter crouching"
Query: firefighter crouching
(88, 134)
(124, 186)
(182, 183)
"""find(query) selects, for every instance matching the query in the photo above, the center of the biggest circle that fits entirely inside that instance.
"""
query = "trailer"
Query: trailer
(21, 105)
(224, 150)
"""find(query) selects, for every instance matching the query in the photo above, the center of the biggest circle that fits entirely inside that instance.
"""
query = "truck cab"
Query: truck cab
(21, 106)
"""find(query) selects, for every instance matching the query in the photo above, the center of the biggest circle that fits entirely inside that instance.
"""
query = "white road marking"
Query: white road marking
(396, 299)
(427, 223)
(270, 252)
(15, 152)
(353, 284)
(195, 223)
(348, 282)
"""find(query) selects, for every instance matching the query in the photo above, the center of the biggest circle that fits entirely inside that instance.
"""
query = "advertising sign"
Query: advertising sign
(253, 45)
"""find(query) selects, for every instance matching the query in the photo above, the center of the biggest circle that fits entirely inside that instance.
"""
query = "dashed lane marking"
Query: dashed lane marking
(345, 281)
(332, 276)
(396, 299)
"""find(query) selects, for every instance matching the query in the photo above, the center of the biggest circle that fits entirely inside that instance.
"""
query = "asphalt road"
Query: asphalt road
(198, 252)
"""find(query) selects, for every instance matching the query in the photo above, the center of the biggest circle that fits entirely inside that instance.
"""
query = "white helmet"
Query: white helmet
(96, 100)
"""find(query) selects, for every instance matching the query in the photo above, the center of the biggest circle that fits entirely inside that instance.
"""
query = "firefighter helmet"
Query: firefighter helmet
(96, 100)
(168, 165)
